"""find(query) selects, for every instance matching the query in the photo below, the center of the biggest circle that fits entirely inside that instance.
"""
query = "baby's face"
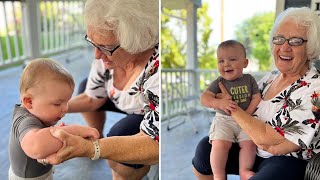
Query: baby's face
(231, 61)
(50, 103)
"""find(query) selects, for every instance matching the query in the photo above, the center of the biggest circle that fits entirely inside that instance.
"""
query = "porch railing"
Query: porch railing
(35, 28)
(178, 90)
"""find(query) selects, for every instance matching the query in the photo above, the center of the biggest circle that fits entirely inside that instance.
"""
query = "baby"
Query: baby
(45, 89)
(224, 130)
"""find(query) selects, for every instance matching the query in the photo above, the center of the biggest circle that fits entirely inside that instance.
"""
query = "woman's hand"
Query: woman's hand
(224, 93)
(73, 146)
(226, 104)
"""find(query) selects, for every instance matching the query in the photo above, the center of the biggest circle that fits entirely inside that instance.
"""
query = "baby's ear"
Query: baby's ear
(27, 101)
(246, 63)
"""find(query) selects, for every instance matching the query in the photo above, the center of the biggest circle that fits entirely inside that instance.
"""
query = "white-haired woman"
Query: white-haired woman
(124, 77)
(285, 125)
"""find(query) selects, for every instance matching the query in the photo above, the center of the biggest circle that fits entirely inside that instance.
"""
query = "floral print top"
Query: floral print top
(293, 113)
(141, 98)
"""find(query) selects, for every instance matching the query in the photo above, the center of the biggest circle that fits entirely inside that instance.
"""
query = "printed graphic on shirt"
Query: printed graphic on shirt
(240, 94)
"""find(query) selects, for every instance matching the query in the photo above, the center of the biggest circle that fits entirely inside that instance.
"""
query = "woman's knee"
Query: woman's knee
(201, 159)
(82, 86)
(121, 171)
(127, 126)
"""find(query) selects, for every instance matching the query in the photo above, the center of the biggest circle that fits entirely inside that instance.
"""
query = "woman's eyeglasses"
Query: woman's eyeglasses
(103, 49)
(294, 41)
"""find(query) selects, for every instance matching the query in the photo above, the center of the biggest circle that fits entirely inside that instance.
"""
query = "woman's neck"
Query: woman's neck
(292, 77)
(124, 76)
(135, 61)
(283, 81)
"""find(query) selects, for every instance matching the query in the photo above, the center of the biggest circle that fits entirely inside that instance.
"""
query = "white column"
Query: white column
(192, 58)
(31, 15)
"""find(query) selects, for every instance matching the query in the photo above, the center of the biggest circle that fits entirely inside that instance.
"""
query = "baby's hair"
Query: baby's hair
(40, 70)
(233, 43)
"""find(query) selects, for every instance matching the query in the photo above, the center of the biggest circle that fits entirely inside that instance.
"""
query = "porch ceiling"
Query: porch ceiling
(179, 4)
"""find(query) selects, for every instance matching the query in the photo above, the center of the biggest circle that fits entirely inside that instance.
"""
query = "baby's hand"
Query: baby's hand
(227, 105)
(91, 133)
(61, 124)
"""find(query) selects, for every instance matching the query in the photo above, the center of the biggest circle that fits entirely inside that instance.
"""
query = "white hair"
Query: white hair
(306, 18)
(135, 23)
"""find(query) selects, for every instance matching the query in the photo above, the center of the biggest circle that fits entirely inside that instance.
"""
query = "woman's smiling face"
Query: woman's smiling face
(290, 59)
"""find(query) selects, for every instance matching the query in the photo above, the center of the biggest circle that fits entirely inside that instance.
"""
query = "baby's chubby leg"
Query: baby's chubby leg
(246, 159)
(218, 158)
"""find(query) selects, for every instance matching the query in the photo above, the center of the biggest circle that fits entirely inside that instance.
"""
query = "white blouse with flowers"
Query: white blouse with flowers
(293, 113)
(141, 98)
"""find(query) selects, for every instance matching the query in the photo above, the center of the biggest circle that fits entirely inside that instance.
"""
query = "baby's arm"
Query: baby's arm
(39, 143)
(256, 98)
(209, 100)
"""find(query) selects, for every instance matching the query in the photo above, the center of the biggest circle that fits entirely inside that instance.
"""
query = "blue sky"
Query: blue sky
(235, 11)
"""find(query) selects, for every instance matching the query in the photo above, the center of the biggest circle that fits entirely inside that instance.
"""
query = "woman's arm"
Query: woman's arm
(84, 103)
(39, 143)
(262, 134)
(136, 149)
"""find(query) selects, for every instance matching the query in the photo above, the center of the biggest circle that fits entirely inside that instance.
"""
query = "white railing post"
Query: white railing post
(31, 22)
(192, 58)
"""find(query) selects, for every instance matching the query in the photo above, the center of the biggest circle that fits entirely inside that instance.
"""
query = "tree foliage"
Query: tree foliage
(173, 39)
(254, 34)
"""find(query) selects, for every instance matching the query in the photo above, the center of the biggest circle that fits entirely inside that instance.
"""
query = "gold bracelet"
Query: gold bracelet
(96, 146)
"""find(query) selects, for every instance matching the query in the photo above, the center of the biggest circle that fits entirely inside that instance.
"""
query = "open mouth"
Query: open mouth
(286, 58)
(228, 71)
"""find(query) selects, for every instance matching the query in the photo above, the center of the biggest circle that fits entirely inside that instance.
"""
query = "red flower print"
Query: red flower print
(280, 130)
(152, 106)
(314, 95)
(311, 121)
(156, 138)
(156, 64)
(303, 83)
(309, 153)
(285, 105)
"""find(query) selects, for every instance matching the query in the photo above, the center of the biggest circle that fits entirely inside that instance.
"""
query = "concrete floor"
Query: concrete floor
(178, 146)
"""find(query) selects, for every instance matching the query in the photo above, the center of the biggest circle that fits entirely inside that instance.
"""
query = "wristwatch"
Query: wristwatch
(96, 146)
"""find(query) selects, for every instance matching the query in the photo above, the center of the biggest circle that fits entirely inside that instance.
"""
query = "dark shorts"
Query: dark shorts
(275, 168)
(129, 125)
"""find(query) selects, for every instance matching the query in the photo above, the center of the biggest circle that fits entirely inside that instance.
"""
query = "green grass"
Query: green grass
(11, 43)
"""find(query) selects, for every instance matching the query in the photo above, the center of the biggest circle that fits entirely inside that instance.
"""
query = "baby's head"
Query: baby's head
(232, 59)
(45, 89)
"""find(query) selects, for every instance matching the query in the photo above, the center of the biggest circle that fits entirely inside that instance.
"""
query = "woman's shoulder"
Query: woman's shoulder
(154, 59)
(151, 69)
(313, 74)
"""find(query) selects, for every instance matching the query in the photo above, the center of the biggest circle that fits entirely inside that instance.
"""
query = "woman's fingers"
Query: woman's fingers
(64, 152)
(53, 159)
(225, 93)
(222, 88)
(60, 134)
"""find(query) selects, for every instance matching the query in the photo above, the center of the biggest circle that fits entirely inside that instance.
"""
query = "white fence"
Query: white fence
(35, 28)
(179, 92)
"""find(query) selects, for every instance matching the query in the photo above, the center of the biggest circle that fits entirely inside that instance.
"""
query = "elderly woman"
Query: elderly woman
(124, 77)
(285, 125)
